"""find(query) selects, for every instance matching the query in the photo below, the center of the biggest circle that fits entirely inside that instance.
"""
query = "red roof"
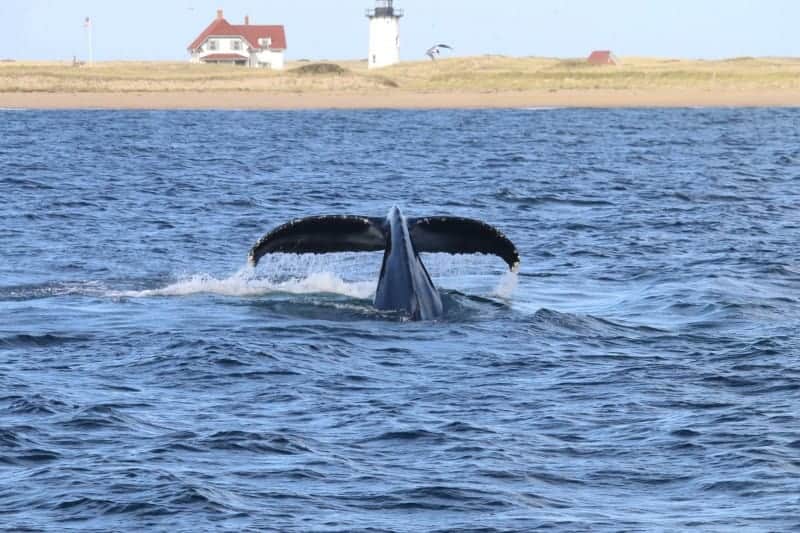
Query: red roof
(602, 57)
(224, 57)
(249, 32)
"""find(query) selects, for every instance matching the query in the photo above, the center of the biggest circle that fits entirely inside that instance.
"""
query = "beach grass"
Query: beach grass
(469, 74)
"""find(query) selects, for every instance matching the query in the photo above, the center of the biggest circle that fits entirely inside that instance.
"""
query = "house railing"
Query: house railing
(385, 12)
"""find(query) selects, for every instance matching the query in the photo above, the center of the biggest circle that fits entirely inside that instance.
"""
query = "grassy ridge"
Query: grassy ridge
(471, 74)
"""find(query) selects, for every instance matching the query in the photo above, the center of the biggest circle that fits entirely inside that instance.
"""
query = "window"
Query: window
(212, 44)
(266, 42)
(236, 45)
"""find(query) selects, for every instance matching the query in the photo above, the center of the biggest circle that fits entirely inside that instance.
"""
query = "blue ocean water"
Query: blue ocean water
(641, 373)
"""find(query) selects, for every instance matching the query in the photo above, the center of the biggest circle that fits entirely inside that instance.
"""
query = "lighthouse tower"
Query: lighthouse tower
(384, 34)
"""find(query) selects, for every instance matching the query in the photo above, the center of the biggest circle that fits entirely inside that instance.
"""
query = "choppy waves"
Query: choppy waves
(640, 372)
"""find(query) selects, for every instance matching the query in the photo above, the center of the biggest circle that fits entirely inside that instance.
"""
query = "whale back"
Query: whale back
(404, 284)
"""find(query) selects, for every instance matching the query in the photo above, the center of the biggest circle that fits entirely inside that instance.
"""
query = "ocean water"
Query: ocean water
(640, 373)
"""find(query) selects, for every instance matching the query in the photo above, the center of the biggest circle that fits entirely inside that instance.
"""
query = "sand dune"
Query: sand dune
(455, 83)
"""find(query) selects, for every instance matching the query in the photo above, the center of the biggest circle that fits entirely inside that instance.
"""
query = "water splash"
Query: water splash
(507, 284)
(247, 282)
(347, 274)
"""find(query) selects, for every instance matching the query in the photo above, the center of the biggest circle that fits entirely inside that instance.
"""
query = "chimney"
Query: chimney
(219, 14)
(246, 20)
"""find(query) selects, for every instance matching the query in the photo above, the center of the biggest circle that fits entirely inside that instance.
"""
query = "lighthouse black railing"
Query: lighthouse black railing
(385, 12)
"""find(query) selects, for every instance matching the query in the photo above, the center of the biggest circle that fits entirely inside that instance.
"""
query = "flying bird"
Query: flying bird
(436, 50)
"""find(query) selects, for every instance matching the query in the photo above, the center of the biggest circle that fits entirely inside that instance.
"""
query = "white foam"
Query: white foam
(352, 275)
(245, 283)
(543, 108)
(507, 284)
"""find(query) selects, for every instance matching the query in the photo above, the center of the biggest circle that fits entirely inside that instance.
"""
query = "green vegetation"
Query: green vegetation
(318, 69)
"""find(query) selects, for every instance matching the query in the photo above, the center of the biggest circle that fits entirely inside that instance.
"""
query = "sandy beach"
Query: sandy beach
(471, 82)
(403, 100)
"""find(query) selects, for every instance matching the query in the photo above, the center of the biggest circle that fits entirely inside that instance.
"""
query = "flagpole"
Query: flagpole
(88, 25)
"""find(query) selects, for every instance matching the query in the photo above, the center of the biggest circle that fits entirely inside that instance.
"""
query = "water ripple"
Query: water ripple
(640, 372)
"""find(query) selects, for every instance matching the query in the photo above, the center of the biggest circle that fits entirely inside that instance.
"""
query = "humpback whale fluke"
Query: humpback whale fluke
(404, 283)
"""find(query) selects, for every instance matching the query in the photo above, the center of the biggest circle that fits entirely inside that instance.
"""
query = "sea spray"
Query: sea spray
(235, 285)
(347, 274)
(507, 284)
(283, 275)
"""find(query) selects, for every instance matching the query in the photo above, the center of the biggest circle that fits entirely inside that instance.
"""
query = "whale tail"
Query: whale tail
(457, 235)
(349, 233)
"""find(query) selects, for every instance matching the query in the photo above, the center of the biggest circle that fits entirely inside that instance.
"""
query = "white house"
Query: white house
(245, 44)
(384, 34)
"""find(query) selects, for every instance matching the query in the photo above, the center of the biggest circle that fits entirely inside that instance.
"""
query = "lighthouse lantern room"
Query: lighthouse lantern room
(384, 34)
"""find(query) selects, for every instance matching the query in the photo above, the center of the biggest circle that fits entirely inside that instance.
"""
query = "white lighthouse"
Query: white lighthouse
(384, 34)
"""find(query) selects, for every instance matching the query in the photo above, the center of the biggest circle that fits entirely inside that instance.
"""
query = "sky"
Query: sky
(337, 29)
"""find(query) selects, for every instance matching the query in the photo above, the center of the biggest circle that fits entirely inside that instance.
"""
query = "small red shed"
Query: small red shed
(602, 57)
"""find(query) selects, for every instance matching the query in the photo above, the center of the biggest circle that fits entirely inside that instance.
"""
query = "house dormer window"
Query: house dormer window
(212, 44)
(265, 42)
(236, 45)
